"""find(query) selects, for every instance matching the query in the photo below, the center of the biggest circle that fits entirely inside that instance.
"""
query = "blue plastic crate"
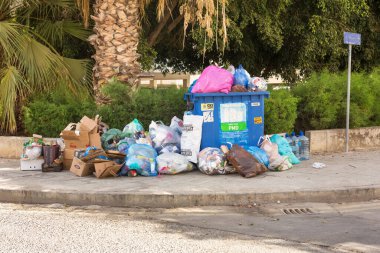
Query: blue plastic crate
(237, 117)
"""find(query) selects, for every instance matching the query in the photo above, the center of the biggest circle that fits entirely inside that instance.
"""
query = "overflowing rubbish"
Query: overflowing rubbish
(213, 79)
(241, 77)
(244, 163)
(132, 128)
(257, 84)
(259, 154)
(220, 133)
(165, 139)
(276, 161)
(142, 159)
(284, 148)
(173, 163)
(212, 161)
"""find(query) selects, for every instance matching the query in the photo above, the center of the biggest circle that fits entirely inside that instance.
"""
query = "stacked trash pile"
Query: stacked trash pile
(91, 147)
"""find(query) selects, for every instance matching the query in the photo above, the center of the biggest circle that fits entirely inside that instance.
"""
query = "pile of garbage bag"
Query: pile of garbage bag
(217, 79)
(91, 147)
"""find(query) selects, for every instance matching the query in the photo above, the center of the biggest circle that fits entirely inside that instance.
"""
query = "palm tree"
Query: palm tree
(117, 31)
(29, 62)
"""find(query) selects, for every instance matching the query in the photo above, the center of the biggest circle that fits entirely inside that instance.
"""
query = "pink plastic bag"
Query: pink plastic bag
(214, 79)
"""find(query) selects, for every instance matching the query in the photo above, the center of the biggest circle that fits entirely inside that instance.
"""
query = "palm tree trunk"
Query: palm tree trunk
(116, 38)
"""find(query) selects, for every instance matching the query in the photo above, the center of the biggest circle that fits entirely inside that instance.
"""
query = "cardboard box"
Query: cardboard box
(88, 124)
(95, 140)
(75, 138)
(106, 169)
(67, 163)
(68, 154)
(80, 168)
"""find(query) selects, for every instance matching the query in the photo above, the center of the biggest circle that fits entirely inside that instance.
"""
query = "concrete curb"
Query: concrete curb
(185, 200)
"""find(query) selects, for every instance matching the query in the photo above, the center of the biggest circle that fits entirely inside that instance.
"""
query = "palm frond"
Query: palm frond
(12, 84)
(79, 72)
(39, 63)
(75, 29)
(55, 31)
(10, 38)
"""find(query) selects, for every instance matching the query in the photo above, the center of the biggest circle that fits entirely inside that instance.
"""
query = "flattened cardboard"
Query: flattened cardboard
(95, 140)
(80, 168)
(88, 124)
(106, 169)
(67, 163)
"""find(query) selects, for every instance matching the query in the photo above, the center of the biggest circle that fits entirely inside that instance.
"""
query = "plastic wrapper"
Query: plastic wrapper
(163, 136)
(132, 128)
(214, 79)
(284, 148)
(259, 154)
(142, 159)
(173, 164)
(244, 163)
(276, 161)
(177, 125)
(257, 84)
(212, 161)
(241, 77)
(33, 151)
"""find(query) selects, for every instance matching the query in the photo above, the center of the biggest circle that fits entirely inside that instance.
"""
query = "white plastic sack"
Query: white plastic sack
(172, 163)
(276, 161)
(191, 137)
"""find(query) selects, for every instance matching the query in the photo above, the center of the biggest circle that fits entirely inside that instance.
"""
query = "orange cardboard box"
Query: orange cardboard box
(80, 168)
(75, 138)
(89, 125)
(106, 169)
(67, 163)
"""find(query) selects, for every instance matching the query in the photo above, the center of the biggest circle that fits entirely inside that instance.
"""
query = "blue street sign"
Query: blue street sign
(352, 38)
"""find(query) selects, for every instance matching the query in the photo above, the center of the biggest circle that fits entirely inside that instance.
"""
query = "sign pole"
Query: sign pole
(348, 96)
(350, 39)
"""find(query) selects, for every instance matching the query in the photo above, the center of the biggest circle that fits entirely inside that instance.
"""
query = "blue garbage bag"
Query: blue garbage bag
(192, 85)
(142, 159)
(284, 148)
(124, 144)
(259, 154)
(241, 77)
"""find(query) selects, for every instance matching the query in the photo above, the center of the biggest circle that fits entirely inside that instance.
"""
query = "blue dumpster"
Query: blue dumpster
(237, 117)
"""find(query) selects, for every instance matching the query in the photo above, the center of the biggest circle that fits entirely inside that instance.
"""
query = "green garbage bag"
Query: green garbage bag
(284, 148)
(111, 138)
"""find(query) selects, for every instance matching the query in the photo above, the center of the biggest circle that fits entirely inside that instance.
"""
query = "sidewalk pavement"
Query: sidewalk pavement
(347, 178)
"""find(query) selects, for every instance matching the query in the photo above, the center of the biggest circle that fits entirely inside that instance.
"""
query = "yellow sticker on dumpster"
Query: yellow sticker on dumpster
(207, 107)
(258, 120)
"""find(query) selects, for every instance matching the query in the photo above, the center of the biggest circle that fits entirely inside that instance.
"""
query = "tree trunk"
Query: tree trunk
(116, 38)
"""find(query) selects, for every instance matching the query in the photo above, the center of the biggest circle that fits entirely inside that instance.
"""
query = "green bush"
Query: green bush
(322, 101)
(280, 112)
(145, 105)
(50, 113)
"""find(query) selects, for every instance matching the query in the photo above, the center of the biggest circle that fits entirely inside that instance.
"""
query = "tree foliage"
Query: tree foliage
(279, 37)
(31, 33)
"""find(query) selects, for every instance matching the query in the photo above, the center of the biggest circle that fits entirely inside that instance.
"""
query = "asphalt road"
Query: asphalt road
(58, 228)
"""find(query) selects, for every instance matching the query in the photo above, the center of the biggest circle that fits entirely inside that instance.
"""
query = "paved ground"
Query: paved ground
(260, 228)
(347, 177)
